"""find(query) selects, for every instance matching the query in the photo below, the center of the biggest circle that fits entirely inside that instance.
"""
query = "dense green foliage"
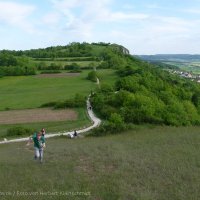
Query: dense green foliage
(76, 102)
(147, 94)
(17, 71)
(15, 66)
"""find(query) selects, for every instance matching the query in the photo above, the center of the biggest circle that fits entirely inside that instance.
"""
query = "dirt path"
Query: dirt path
(36, 115)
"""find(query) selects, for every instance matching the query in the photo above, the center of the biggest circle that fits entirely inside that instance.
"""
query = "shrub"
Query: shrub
(49, 104)
(72, 66)
(113, 126)
(50, 72)
(76, 102)
(19, 131)
(92, 76)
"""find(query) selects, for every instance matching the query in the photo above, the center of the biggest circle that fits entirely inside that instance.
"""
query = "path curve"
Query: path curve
(96, 122)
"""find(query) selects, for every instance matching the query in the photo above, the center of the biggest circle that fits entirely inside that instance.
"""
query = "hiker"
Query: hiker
(39, 144)
(75, 134)
(43, 131)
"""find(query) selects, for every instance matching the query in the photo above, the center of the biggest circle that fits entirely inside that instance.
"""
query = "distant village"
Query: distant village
(189, 75)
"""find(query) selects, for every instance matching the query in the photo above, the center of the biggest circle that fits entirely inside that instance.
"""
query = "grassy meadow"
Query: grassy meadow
(148, 163)
(22, 92)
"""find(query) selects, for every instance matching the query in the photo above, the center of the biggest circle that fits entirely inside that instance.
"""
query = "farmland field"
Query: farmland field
(30, 91)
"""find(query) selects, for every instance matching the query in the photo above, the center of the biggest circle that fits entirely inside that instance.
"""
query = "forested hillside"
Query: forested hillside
(144, 93)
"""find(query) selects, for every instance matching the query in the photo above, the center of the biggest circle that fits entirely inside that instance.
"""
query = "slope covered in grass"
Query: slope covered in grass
(147, 163)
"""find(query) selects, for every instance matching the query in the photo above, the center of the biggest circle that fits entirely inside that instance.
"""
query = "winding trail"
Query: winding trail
(96, 122)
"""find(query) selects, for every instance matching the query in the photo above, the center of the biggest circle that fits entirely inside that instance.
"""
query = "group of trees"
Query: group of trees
(14, 66)
(146, 94)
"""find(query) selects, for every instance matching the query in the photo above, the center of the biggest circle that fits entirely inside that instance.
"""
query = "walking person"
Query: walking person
(39, 144)
(43, 131)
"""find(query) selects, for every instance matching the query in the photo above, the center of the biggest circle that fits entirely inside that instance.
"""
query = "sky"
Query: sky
(142, 26)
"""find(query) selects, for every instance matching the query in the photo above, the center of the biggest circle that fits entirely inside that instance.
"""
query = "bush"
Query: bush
(75, 71)
(55, 66)
(76, 102)
(72, 66)
(49, 104)
(17, 71)
(113, 126)
(92, 76)
(19, 131)
(108, 129)
(50, 72)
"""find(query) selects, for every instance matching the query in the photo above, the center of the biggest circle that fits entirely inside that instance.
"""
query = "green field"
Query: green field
(31, 91)
(144, 164)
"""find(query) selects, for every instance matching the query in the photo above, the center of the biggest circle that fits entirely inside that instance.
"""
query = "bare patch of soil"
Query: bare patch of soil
(59, 75)
(36, 115)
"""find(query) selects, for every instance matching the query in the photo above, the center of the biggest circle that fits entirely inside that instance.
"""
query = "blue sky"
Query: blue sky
(143, 26)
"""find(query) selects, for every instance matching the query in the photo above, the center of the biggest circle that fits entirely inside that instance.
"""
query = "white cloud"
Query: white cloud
(82, 17)
(51, 18)
(159, 34)
(16, 14)
(126, 16)
(192, 10)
